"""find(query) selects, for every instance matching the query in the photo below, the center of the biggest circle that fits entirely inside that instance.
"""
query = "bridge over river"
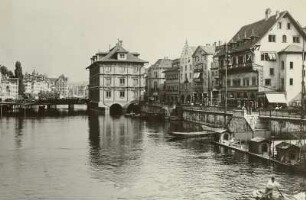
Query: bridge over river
(23, 105)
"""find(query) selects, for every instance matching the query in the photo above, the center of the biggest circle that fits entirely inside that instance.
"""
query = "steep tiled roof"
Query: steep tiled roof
(111, 56)
(257, 30)
(210, 50)
(292, 49)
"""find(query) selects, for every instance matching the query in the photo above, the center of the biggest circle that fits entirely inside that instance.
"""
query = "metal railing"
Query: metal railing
(284, 113)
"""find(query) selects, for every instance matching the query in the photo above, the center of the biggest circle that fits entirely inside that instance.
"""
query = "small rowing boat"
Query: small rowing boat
(261, 195)
(191, 134)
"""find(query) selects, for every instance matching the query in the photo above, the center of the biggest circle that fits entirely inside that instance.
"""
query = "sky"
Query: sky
(57, 37)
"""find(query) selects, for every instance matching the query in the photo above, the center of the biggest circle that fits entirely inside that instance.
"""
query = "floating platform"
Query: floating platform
(243, 150)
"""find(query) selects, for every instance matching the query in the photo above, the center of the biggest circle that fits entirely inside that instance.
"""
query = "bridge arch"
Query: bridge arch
(115, 109)
(132, 107)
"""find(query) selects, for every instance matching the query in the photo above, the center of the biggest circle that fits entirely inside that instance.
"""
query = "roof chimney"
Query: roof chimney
(277, 14)
(268, 12)
(119, 43)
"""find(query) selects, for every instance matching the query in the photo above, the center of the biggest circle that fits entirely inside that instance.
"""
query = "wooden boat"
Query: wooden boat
(260, 195)
(191, 134)
(213, 129)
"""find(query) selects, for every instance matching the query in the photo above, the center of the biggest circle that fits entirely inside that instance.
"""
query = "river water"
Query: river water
(105, 157)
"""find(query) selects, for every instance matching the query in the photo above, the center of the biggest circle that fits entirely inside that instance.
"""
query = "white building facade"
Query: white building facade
(186, 74)
(265, 62)
(8, 88)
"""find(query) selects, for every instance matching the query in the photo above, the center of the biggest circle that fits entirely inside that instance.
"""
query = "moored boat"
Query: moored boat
(191, 134)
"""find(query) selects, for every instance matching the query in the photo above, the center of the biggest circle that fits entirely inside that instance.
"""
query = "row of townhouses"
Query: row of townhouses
(8, 88)
(261, 64)
(34, 84)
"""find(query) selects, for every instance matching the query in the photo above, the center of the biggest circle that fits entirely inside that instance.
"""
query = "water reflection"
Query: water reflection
(18, 133)
(104, 157)
(115, 145)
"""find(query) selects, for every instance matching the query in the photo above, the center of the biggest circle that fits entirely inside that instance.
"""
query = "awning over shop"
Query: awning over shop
(276, 98)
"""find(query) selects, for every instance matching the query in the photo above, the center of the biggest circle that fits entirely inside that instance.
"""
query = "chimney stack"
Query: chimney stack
(267, 13)
(277, 14)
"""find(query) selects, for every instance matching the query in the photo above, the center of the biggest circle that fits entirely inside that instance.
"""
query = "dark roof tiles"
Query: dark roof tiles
(111, 56)
(250, 34)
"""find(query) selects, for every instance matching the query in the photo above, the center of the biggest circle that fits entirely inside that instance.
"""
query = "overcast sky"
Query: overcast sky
(59, 36)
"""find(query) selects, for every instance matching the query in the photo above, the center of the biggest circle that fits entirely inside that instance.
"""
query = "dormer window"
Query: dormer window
(121, 56)
(288, 26)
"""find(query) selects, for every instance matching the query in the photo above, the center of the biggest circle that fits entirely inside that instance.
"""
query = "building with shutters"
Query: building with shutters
(156, 79)
(202, 74)
(116, 78)
(265, 62)
(186, 74)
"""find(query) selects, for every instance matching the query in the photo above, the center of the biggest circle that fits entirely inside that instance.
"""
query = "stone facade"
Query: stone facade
(261, 55)
(172, 85)
(116, 78)
(202, 76)
(186, 74)
(61, 86)
(156, 79)
(8, 88)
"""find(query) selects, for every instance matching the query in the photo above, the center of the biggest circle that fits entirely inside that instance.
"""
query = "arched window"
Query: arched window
(226, 137)
(284, 38)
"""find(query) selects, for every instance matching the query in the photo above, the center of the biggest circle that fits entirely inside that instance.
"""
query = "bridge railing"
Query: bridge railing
(285, 113)
(46, 101)
(62, 101)
(209, 108)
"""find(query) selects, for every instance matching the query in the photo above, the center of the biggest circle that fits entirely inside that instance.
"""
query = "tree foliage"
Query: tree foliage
(19, 75)
(6, 72)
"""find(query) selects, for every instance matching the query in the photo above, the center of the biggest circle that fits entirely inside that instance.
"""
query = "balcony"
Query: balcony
(238, 88)
(245, 67)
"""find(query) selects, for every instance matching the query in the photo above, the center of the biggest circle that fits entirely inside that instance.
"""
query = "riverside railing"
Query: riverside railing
(283, 113)
(216, 109)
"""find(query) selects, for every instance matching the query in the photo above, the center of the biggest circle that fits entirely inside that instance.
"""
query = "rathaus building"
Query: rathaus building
(116, 79)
